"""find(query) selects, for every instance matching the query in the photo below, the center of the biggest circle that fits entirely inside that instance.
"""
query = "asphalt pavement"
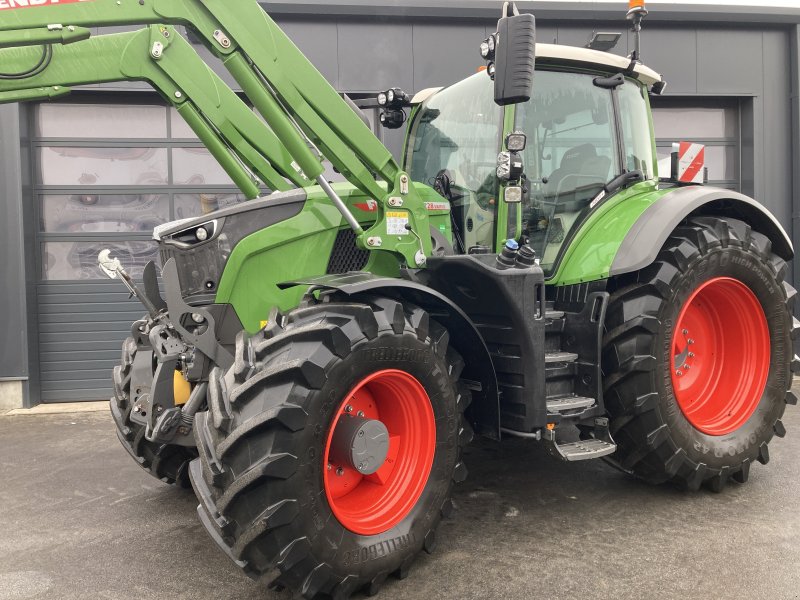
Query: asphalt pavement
(78, 519)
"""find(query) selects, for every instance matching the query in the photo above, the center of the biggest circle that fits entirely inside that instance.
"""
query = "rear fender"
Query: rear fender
(644, 240)
(464, 337)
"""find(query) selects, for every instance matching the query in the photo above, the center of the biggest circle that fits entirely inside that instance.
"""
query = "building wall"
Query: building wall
(363, 47)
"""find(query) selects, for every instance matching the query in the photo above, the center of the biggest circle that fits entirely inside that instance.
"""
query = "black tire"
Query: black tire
(655, 439)
(167, 462)
(260, 473)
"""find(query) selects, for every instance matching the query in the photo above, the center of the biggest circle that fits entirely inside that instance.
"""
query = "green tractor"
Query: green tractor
(321, 355)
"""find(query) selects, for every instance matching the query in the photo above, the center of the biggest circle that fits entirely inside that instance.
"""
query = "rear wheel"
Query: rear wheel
(330, 448)
(167, 462)
(698, 356)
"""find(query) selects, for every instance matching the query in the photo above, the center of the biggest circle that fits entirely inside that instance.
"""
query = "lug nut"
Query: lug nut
(330, 466)
(686, 366)
(678, 373)
(690, 340)
(348, 409)
(340, 471)
(685, 331)
(362, 466)
(360, 413)
(691, 354)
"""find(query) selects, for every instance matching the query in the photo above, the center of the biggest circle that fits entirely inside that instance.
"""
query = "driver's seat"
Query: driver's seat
(580, 167)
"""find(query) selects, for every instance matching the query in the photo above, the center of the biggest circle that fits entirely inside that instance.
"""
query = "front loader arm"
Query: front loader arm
(231, 132)
(306, 114)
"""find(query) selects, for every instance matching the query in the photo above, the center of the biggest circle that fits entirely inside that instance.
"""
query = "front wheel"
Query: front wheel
(698, 356)
(330, 448)
(167, 462)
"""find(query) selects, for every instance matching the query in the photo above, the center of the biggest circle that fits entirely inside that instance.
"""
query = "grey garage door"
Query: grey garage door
(104, 174)
(714, 122)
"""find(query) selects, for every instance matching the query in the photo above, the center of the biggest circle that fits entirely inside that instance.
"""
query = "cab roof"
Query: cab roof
(557, 54)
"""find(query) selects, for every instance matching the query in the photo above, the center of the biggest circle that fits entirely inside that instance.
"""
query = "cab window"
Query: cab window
(571, 155)
(456, 134)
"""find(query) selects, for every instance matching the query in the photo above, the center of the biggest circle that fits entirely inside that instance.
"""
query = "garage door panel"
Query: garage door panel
(62, 368)
(99, 381)
(61, 356)
(98, 374)
(90, 297)
(55, 326)
(93, 336)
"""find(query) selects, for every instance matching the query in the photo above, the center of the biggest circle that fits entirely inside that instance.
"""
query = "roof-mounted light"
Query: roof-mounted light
(636, 6)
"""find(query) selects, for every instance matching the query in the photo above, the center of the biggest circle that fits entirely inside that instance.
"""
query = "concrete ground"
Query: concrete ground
(80, 520)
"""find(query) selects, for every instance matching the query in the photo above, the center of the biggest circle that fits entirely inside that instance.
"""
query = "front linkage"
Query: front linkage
(173, 345)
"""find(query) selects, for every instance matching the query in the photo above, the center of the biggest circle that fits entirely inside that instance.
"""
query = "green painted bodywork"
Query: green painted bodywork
(300, 247)
(590, 254)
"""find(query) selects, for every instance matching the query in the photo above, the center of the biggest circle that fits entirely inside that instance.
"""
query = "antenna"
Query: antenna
(637, 11)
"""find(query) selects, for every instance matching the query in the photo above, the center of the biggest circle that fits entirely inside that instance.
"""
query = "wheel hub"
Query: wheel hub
(720, 356)
(359, 443)
(379, 452)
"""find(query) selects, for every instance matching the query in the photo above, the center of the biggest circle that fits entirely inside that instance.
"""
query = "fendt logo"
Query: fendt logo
(11, 4)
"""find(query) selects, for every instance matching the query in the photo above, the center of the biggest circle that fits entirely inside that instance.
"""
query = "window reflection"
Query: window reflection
(77, 166)
(78, 260)
(105, 213)
(196, 166)
(110, 121)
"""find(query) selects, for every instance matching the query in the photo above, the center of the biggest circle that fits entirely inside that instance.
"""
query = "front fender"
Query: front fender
(464, 336)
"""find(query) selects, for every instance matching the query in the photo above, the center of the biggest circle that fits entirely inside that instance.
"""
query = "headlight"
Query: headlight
(504, 165)
(201, 234)
(382, 99)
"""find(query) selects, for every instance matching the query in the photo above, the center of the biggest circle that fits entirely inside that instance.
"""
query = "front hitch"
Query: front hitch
(166, 346)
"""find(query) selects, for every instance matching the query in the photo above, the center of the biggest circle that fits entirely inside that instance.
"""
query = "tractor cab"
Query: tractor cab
(587, 134)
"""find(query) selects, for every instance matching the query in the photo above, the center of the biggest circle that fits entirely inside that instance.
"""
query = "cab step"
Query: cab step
(597, 447)
(559, 405)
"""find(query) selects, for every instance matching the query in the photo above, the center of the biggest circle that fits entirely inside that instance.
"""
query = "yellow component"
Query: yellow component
(180, 388)
(633, 4)
(263, 324)
(551, 426)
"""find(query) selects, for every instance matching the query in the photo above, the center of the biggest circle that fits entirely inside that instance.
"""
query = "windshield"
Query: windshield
(572, 153)
(457, 133)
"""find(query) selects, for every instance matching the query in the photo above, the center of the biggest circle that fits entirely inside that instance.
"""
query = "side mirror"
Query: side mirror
(515, 55)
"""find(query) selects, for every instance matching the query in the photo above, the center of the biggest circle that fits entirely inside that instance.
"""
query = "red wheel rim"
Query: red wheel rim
(372, 504)
(721, 356)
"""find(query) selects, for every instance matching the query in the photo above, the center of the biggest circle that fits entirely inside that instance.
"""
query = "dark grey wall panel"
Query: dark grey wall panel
(729, 61)
(375, 57)
(777, 140)
(673, 53)
(13, 330)
(445, 54)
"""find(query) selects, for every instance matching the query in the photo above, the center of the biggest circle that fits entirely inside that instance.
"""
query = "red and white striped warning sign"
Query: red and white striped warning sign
(10, 4)
(691, 162)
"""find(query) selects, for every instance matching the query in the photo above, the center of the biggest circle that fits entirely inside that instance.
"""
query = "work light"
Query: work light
(516, 142)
